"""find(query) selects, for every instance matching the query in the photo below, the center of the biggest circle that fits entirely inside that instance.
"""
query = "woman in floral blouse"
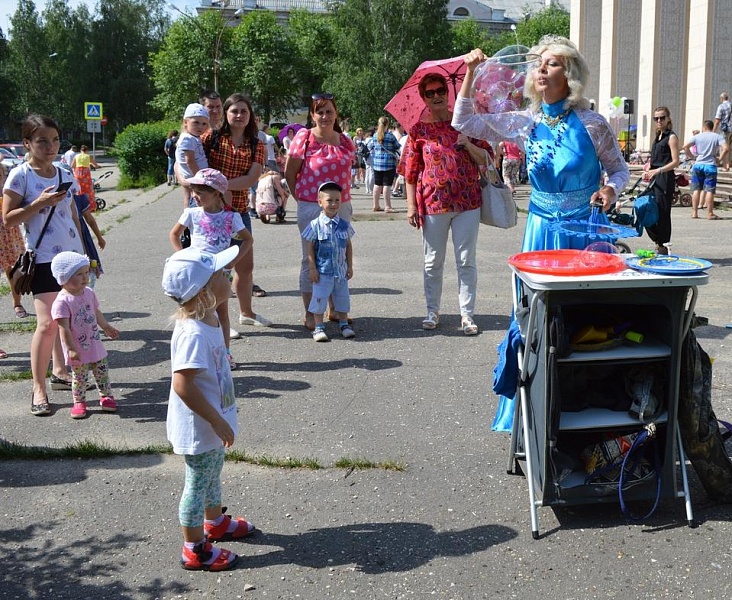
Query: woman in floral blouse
(443, 196)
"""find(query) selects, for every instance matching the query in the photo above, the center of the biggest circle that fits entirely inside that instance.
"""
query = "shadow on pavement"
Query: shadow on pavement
(44, 570)
(376, 547)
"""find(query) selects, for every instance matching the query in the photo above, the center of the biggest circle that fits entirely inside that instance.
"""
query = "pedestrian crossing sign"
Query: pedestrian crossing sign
(93, 111)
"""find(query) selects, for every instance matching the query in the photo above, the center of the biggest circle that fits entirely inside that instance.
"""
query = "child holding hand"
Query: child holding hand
(212, 229)
(202, 417)
(330, 257)
(76, 310)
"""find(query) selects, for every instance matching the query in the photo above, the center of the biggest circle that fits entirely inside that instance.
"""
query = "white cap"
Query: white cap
(195, 110)
(187, 272)
(65, 264)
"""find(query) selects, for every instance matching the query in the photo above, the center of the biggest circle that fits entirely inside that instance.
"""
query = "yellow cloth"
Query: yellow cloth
(83, 160)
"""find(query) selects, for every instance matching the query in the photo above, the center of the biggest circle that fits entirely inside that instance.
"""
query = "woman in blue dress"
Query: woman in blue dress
(567, 148)
(567, 145)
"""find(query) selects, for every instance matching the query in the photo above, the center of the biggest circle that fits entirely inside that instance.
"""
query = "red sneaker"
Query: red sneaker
(108, 404)
(197, 559)
(78, 411)
(216, 533)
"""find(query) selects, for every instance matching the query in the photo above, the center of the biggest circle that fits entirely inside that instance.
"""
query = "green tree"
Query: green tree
(6, 85)
(466, 35)
(185, 63)
(262, 59)
(123, 35)
(29, 66)
(551, 20)
(380, 43)
(66, 32)
(314, 38)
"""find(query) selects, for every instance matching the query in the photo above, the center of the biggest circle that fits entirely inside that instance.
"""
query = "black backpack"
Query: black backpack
(363, 150)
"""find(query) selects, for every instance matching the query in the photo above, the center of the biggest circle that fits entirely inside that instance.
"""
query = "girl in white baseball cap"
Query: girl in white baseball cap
(202, 417)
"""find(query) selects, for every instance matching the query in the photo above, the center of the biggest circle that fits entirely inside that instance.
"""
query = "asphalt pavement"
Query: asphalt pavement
(452, 524)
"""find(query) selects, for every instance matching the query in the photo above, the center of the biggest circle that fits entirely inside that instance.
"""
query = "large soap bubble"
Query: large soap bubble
(498, 85)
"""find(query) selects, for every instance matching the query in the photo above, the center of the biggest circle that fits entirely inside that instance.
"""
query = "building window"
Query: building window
(461, 12)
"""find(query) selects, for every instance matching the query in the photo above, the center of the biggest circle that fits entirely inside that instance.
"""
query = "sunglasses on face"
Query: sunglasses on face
(323, 96)
(431, 93)
(660, 119)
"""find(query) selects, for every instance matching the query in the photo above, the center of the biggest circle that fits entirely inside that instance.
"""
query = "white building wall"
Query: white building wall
(675, 53)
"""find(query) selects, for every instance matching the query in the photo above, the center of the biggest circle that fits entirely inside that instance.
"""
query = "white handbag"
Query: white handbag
(498, 208)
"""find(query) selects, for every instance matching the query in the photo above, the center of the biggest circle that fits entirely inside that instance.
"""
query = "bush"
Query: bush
(140, 155)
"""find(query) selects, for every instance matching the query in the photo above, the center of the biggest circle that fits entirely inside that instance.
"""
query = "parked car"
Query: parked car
(16, 148)
(9, 160)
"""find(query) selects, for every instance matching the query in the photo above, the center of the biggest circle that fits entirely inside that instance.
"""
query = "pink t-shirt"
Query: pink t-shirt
(81, 312)
(321, 163)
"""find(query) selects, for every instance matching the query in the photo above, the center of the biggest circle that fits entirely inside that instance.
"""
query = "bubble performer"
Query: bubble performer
(567, 145)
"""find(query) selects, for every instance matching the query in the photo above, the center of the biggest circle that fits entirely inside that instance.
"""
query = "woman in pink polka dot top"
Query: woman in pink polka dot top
(323, 153)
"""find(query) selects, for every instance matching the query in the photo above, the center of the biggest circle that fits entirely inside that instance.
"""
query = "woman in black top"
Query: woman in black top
(664, 159)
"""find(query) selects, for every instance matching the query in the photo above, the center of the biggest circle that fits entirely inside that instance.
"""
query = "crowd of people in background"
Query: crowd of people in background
(231, 170)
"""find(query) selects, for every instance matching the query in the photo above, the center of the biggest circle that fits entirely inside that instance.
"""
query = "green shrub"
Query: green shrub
(140, 155)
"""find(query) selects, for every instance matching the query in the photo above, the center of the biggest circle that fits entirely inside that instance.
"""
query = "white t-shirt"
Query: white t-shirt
(186, 141)
(195, 345)
(211, 232)
(269, 144)
(61, 234)
(69, 157)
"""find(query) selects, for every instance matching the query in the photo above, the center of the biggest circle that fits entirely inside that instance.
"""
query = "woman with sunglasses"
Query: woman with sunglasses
(664, 159)
(443, 196)
(323, 153)
(568, 146)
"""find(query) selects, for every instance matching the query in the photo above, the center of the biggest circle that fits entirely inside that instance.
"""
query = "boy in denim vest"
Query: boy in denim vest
(330, 257)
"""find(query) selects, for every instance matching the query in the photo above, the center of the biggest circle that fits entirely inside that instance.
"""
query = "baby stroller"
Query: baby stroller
(681, 180)
(645, 211)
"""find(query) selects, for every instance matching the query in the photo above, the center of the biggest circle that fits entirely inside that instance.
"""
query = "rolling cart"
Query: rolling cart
(549, 431)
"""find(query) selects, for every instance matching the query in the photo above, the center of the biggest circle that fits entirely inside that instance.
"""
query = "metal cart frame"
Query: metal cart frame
(535, 290)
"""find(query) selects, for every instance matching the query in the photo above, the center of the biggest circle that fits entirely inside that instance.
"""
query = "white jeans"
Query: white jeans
(435, 228)
(306, 212)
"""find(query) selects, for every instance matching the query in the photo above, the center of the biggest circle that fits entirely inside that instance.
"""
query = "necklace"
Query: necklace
(553, 121)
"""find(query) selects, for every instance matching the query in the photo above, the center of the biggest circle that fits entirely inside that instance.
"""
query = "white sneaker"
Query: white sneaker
(432, 320)
(257, 321)
(234, 334)
(347, 332)
(319, 335)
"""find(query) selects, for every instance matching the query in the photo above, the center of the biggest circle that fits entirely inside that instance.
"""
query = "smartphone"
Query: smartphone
(64, 187)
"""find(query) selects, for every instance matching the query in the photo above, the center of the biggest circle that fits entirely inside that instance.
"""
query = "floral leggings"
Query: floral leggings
(80, 379)
(203, 486)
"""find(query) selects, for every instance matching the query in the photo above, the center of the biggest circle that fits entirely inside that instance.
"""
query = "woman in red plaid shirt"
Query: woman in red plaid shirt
(236, 151)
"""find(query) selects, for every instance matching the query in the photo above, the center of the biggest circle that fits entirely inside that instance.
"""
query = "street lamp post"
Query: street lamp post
(217, 45)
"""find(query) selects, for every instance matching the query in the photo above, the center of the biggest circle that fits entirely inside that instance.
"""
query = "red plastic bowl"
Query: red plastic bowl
(567, 262)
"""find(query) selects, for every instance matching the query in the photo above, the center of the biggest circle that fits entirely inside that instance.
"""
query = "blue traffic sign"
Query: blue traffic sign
(93, 111)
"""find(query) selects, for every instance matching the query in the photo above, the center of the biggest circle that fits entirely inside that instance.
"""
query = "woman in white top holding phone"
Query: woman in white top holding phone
(32, 191)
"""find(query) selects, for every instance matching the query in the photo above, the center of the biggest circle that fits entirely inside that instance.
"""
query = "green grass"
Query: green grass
(84, 449)
(16, 376)
(362, 463)
(19, 326)
(89, 449)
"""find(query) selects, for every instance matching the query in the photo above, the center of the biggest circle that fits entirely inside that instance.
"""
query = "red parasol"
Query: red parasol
(407, 107)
